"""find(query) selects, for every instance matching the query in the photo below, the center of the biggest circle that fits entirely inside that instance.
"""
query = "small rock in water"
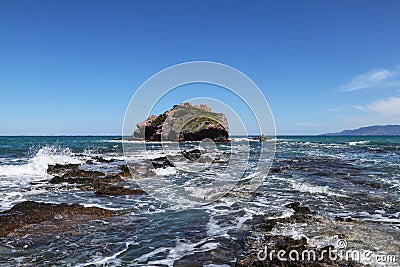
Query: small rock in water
(161, 162)
(192, 155)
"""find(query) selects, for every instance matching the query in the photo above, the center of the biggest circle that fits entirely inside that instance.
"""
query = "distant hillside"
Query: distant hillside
(370, 130)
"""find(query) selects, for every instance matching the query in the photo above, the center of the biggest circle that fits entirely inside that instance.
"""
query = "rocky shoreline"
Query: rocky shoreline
(30, 218)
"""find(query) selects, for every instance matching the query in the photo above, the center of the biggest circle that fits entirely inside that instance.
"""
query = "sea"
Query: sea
(353, 178)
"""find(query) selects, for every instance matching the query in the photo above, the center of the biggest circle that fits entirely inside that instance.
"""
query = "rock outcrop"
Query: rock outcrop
(87, 180)
(46, 217)
(262, 233)
(184, 122)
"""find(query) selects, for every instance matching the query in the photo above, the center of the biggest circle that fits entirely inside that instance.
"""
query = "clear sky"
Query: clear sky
(71, 67)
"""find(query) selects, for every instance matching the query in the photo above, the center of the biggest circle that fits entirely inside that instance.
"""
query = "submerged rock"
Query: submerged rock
(50, 217)
(184, 122)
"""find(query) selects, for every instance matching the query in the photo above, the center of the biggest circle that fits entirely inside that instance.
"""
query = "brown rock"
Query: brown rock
(184, 122)
(62, 215)
(118, 190)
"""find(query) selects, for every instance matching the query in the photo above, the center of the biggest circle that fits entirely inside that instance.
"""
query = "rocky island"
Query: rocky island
(184, 122)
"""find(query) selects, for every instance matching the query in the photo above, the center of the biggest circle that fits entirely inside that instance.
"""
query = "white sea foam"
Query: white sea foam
(165, 171)
(285, 214)
(295, 230)
(216, 230)
(9, 199)
(323, 241)
(354, 143)
(37, 165)
(17, 178)
(91, 205)
(313, 189)
(181, 249)
(107, 261)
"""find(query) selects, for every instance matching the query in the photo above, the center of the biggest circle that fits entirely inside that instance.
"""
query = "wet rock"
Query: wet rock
(111, 178)
(275, 170)
(301, 214)
(192, 155)
(144, 169)
(346, 219)
(290, 245)
(57, 180)
(161, 162)
(88, 180)
(102, 160)
(82, 173)
(296, 206)
(125, 172)
(118, 190)
(71, 170)
(27, 213)
(61, 168)
(262, 232)
(244, 194)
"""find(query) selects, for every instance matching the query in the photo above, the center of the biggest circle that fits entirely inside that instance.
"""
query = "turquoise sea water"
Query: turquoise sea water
(357, 177)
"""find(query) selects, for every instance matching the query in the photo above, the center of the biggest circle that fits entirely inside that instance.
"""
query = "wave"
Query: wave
(355, 143)
(313, 189)
(37, 165)
(181, 249)
(165, 171)
(110, 260)
(9, 199)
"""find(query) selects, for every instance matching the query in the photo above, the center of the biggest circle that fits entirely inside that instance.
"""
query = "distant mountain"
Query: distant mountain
(369, 130)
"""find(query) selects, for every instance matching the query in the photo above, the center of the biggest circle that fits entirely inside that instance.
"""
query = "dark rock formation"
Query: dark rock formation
(262, 231)
(125, 172)
(61, 168)
(161, 162)
(184, 123)
(87, 180)
(118, 190)
(50, 217)
(192, 155)
(103, 160)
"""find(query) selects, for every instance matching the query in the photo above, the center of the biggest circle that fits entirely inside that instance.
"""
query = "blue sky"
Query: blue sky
(71, 67)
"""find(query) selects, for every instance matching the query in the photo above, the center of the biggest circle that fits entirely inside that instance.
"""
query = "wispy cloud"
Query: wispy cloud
(386, 107)
(336, 109)
(373, 79)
